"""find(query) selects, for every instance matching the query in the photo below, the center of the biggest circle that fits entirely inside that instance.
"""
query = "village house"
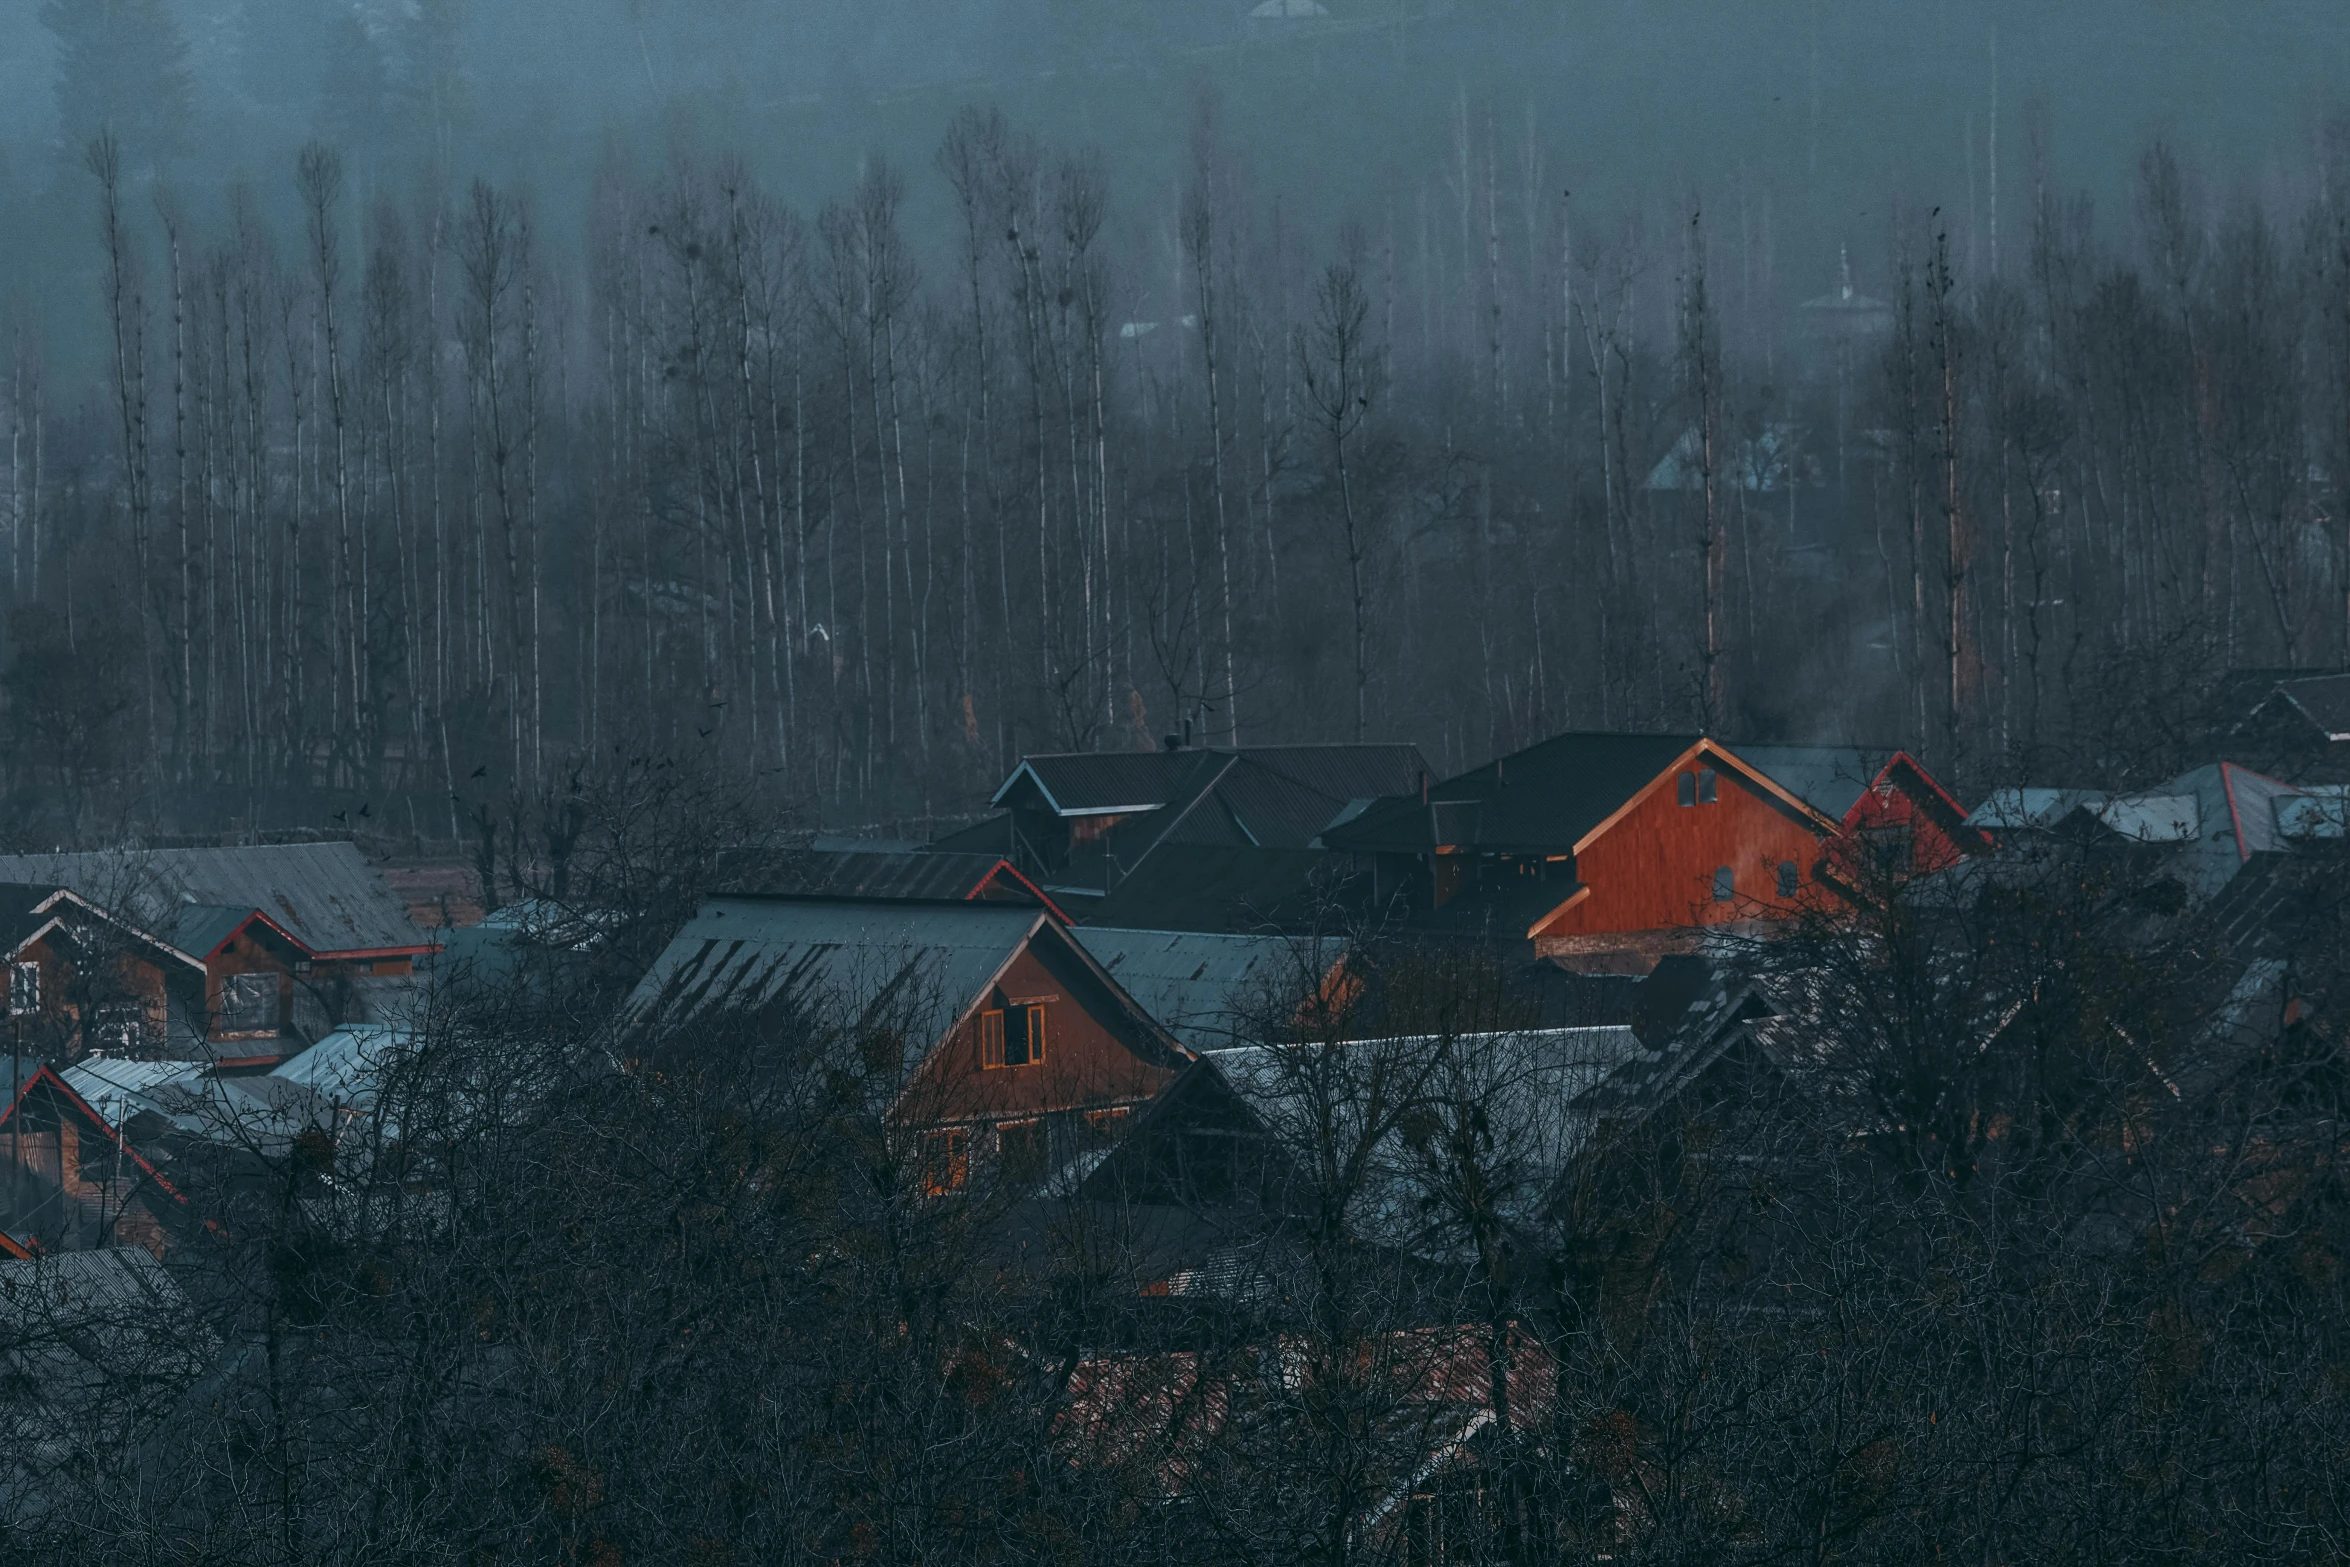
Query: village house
(1080, 824)
(72, 1181)
(1606, 851)
(852, 870)
(333, 933)
(1021, 1052)
(81, 980)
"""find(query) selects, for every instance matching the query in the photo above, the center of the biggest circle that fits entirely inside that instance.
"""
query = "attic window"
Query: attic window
(1012, 1036)
(1725, 884)
(1789, 878)
(946, 1161)
(1686, 784)
(1705, 786)
(248, 1003)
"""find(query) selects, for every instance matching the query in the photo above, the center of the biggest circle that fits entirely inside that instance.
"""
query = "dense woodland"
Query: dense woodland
(415, 496)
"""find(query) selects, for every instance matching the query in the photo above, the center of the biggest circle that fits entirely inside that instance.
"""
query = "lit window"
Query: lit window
(946, 1161)
(1705, 786)
(1725, 884)
(1789, 878)
(991, 1038)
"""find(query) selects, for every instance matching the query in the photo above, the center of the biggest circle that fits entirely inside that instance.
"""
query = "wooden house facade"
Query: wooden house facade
(1021, 1051)
(1611, 850)
(81, 980)
(73, 1182)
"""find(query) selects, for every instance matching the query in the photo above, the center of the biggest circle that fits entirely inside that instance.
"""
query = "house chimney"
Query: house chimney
(1187, 734)
(1423, 786)
(1171, 742)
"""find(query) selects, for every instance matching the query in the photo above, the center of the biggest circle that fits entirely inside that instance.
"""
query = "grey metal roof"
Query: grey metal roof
(326, 895)
(202, 927)
(2325, 699)
(847, 955)
(918, 873)
(1075, 783)
(1204, 988)
(1828, 778)
(1532, 1087)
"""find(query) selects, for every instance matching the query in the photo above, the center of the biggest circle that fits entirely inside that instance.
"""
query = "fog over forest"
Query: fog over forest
(404, 401)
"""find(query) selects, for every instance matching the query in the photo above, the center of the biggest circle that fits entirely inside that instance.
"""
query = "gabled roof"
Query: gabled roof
(1120, 782)
(1224, 888)
(27, 913)
(44, 1079)
(916, 873)
(325, 895)
(1204, 989)
(856, 958)
(1828, 778)
(2323, 699)
(1550, 798)
(205, 928)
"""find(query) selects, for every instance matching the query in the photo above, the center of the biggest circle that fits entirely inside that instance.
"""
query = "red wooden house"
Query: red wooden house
(79, 979)
(1895, 818)
(69, 1180)
(1021, 1051)
(1609, 850)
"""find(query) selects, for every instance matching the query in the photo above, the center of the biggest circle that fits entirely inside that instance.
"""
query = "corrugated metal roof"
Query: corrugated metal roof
(2325, 699)
(1225, 889)
(846, 955)
(918, 874)
(203, 927)
(1076, 782)
(1531, 1084)
(2013, 810)
(1828, 778)
(2152, 818)
(1204, 988)
(1543, 799)
(347, 1065)
(326, 895)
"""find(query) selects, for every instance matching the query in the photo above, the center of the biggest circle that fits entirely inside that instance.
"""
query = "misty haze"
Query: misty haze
(1328, 781)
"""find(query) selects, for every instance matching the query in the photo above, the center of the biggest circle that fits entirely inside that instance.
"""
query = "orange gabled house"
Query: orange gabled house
(1020, 1050)
(1609, 850)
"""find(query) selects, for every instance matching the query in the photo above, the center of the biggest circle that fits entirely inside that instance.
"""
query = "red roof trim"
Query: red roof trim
(1004, 867)
(263, 916)
(1933, 785)
(43, 1071)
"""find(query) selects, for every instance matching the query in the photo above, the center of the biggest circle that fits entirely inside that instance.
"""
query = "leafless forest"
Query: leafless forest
(608, 498)
(382, 487)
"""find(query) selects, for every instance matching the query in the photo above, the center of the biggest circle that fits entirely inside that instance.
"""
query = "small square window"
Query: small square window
(248, 1003)
(946, 1161)
(1789, 878)
(1686, 788)
(1705, 786)
(1725, 884)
